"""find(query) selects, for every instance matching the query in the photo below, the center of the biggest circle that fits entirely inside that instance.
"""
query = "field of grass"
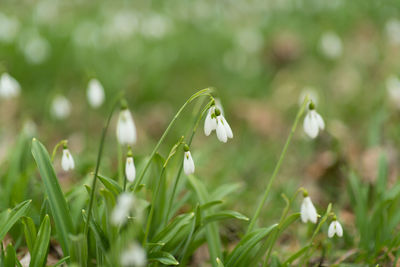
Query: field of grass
(75, 75)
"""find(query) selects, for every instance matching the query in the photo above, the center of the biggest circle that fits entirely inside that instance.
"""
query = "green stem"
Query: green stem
(203, 92)
(120, 164)
(199, 117)
(278, 166)
(53, 155)
(99, 155)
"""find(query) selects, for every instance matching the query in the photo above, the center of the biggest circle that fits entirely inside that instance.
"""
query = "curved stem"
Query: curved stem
(53, 155)
(203, 92)
(199, 117)
(278, 166)
(99, 155)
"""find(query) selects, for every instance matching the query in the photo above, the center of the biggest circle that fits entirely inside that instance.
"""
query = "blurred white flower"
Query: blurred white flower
(393, 89)
(130, 170)
(188, 163)
(35, 48)
(313, 122)
(60, 107)
(46, 11)
(308, 211)
(155, 26)
(224, 131)
(335, 228)
(250, 40)
(392, 28)
(331, 45)
(67, 161)
(9, 86)
(312, 95)
(9, 27)
(126, 129)
(29, 128)
(134, 255)
(121, 211)
(95, 93)
(122, 26)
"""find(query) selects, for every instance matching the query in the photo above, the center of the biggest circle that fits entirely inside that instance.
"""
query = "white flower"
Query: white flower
(313, 122)
(9, 27)
(130, 170)
(95, 93)
(126, 129)
(335, 228)
(134, 255)
(67, 161)
(188, 164)
(60, 107)
(210, 124)
(224, 131)
(9, 87)
(308, 211)
(331, 45)
(392, 29)
(393, 88)
(121, 211)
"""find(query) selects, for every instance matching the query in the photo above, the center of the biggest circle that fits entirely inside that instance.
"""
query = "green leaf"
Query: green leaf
(296, 255)
(110, 184)
(219, 263)
(9, 217)
(10, 257)
(171, 230)
(58, 204)
(223, 215)
(30, 232)
(211, 204)
(60, 262)
(212, 232)
(101, 238)
(240, 255)
(41, 247)
(163, 257)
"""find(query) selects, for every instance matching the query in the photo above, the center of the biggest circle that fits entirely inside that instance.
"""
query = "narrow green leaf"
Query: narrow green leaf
(101, 238)
(223, 215)
(211, 204)
(9, 260)
(219, 263)
(60, 262)
(296, 255)
(9, 217)
(110, 184)
(30, 232)
(41, 247)
(58, 204)
(163, 257)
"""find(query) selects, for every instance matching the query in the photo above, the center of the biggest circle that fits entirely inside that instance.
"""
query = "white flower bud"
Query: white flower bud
(130, 170)
(121, 211)
(95, 93)
(67, 161)
(188, 163)
(313, 123)
(134, 255)
(126, 129)
(9, 86)
(308, 211)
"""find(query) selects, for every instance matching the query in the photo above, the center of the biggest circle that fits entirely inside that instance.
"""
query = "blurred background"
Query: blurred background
(261, 56)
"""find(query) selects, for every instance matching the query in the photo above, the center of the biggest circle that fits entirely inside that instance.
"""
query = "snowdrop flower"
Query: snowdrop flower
(126, 129)
(331, 45)
(95, 93)
(335, 228)
(130, 170)
(67, 161)
(60, 107)
(224, 131)
(313, 122)
(121, 211)
(307, 210)
(210, 123)
(134, 255)
(188, 164)
(9, 86)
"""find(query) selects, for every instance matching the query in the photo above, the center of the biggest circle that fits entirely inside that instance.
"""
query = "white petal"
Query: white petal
(9, 87)
(210, 124)
(122, 209)
(67, 162)
(320, 121)
(309, 211)
(188, 163)
(331, 229)
(310, 125)
(95, 93)
(126, 129)
(130, 170)
(221, 131)
(228, 129)
(60, 107)
(303, 213)
(339, 229)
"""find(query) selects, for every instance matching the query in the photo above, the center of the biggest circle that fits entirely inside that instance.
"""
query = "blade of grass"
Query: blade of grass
(58, 204)
(10, 217)
(41, 247)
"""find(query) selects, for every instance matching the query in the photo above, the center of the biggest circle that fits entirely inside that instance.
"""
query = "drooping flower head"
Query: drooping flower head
(67, 161)
(60, 107)
(130, 170)
(126, 129)
(95, 93)
(188, 163)
(313, 122)
(122, 210)
(210, 123)
(335, 228)
(9, 86)
(307, 210)
(224, 131)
